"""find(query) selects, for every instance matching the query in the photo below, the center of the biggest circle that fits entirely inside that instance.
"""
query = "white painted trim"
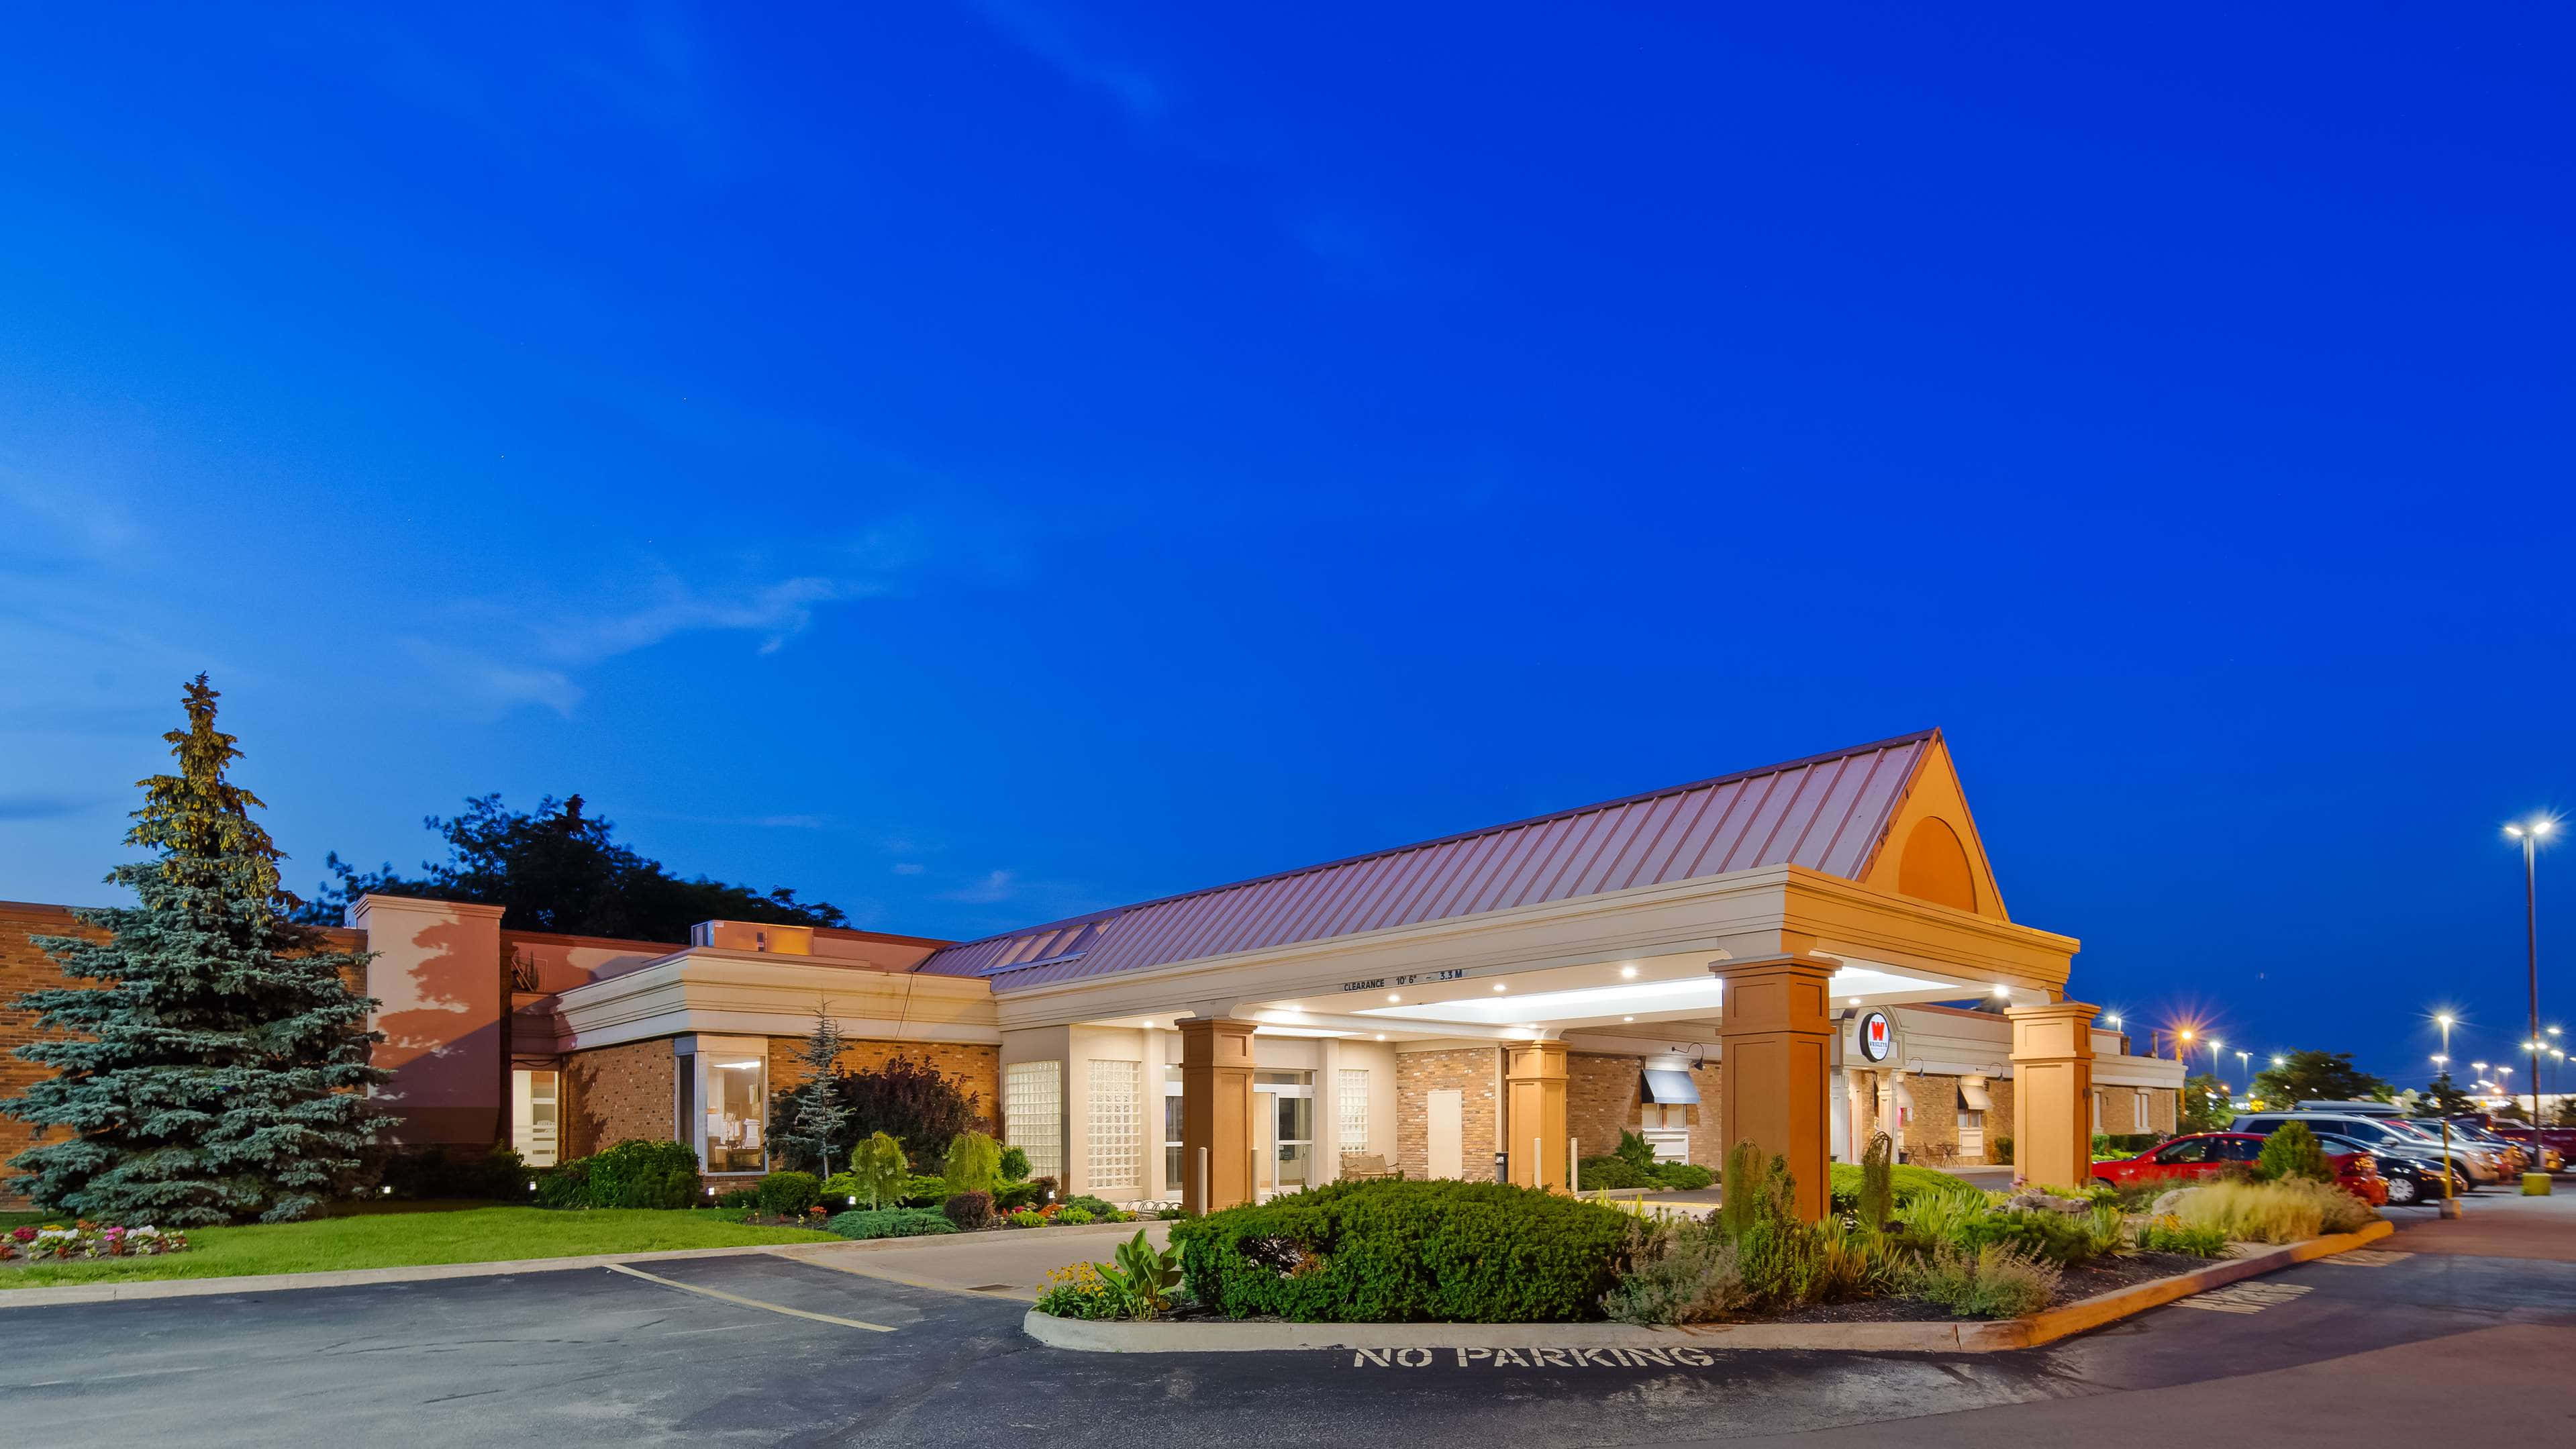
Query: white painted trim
(755, 994)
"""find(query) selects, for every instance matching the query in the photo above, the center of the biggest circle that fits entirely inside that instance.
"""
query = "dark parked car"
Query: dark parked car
(2413, 1177)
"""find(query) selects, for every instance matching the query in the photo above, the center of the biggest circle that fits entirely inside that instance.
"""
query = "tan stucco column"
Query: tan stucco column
(1535, 1078)
(1776, 1057)
(1216, 1113)
(2052, 1058)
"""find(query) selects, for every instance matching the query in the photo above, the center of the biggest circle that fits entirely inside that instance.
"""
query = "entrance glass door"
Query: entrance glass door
(1287, 1127)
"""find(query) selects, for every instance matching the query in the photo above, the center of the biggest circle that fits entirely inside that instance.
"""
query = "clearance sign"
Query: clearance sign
(1875, 1036)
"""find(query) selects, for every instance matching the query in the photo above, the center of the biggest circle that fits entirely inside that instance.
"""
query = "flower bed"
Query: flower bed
(86, 1240)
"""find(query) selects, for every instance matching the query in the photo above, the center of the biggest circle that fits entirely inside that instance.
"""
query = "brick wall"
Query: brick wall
(1601, 1100)
(1468, 1070)
(613, 1093)
(1932, 1128)
(977, 1068)
(2164, 1111)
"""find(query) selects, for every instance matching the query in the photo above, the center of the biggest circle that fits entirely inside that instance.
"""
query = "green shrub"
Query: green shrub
(888, 1223)
(1999, 1152)
(877, 1170)
(636, 1173)
(431, 1172)
(1636, 1151)
(1141, 1277)
(1012, 1196)
(1404, 1252)
(1907, 1182)
(1074, 1217)
(789, 1193)
(736, 1197)
(970, 1211)
(2168, 1234)
(2293, 1151)
(1992, 1282)
(1100, 1210)
(1015, 1165)
(1026, 1219)
(974, 1163)
(1747, 1180)
(1683, 1176)
(922, 1192)
(1595, 1174)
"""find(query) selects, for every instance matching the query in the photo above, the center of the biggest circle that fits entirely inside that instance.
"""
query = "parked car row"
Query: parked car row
(2380, 1159)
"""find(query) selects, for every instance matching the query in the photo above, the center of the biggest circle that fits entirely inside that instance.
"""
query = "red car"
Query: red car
(2205, 1154)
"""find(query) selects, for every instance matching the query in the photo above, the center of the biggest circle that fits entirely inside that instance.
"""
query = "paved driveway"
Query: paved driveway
(2420, 1344)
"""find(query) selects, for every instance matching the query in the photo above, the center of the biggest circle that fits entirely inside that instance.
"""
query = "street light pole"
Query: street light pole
(2450, 1204)
(2530, 835)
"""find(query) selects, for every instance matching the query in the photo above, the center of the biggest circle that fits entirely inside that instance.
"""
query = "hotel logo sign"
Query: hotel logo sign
(1876, 1035)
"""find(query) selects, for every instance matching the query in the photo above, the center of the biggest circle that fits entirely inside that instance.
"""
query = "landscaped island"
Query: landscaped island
(1901, 1243)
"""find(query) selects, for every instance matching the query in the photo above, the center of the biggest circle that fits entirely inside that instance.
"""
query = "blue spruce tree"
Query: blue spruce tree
(214, 1063)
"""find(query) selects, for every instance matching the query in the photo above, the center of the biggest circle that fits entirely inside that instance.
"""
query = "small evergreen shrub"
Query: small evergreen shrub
(736, 1198)
(2293, 1151)
(433, 1173)
(923, 1192)
(973, 1163)
(877, 1170)
(888, 1223)
(1907, 1184)
(1026, 1219)
(1074, 1217)
(1594, 1174)
(1015, 1165)
(970, 1211)
(788, 1193)
(1012, 1196)
(1407, 1252)
(1100, 1210)
(1684, 1176)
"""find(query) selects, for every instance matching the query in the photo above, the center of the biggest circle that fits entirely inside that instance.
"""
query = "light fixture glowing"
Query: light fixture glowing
(1498, 986)
(1381, 1036)
(1627, 973)
(1627, 1018)
(1854, 1001)
(1391, 996)
(2285, 1061)
(736, 1066)
(2442, 1018)
(2001, 990)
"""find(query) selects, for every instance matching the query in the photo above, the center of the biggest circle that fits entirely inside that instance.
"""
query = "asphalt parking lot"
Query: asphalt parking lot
(2402, 1342)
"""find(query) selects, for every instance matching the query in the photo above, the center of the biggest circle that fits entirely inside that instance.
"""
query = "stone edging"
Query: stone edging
(1953, 1337)
(114, 1292)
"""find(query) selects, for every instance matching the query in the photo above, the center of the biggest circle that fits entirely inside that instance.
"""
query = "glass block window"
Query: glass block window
(1351, 1109)
(1117, 1153)
(1033, 1114)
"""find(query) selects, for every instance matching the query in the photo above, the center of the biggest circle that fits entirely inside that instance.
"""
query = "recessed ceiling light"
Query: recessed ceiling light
(2002, 990)
(1627, 1018)
(1391, 996)
(1629, 972)
(1498, 986)
(1381, 1036)
(1855, 1001)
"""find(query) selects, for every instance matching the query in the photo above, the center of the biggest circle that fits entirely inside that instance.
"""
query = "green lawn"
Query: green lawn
(412, 1238)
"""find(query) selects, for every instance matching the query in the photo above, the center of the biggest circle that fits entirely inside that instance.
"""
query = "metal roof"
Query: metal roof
(1825, 812)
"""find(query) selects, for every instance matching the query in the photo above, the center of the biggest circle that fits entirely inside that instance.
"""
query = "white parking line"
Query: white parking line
(2242, 1297)
(722, 1296)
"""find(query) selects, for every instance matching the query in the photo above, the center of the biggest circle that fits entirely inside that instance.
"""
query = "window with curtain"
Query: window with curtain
(1351, 1107)
(1033, 1114)
(1116, 1153)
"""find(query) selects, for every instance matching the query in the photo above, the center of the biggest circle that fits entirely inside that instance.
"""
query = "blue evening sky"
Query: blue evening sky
(976, 462)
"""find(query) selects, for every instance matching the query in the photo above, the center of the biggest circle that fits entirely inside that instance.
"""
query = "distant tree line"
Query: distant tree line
(558, 868)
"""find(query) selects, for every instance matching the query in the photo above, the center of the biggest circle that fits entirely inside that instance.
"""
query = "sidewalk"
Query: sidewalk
(1011, 1263)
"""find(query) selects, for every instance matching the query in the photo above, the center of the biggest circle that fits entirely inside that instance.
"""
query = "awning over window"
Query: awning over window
(1973, 1098)
(1671, 1089)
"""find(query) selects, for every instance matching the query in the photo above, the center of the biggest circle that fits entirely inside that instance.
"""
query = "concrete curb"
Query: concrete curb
(437, 1272)
(1956, 1337)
